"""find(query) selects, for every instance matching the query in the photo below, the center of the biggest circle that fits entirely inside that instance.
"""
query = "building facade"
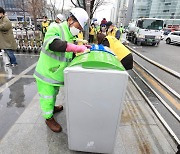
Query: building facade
(141, 8)
(119, 12)
(13, 10)
(165, 9)
(16, 10)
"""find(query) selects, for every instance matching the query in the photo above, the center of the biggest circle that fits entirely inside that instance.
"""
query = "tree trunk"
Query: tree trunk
(35, 22)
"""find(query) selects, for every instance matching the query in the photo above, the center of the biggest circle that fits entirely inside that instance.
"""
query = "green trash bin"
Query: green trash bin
(97, 60)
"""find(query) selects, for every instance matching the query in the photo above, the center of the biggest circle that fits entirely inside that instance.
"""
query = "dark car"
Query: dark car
(167, 31)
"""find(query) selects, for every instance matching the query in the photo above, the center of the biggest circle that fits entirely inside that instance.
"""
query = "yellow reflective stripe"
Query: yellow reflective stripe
(47, 79)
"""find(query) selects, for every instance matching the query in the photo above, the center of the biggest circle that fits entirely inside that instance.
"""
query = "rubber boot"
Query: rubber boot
(53, 125)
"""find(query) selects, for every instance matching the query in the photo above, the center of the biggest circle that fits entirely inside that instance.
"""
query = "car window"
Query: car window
(174, 33)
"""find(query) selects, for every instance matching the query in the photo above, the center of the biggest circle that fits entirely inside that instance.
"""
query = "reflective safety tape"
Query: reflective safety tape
(47, 113)
(49, 40)
(63, 35)
(52, 54)
(47, 79)
(46, 97)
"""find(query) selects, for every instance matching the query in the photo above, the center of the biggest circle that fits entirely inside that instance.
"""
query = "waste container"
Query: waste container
(94, 99)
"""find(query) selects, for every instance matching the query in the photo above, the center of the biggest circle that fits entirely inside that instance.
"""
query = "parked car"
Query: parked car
(173, 37)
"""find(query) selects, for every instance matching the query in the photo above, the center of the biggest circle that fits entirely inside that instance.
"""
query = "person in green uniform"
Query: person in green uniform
(56, 54)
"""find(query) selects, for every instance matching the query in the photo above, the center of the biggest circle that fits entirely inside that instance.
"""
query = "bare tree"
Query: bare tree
(54, 9)
(21, 4)
(34, 8)
(62, 6)
(95, 4)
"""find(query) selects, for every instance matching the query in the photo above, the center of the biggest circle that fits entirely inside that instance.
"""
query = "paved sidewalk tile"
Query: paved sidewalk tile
(139, 131)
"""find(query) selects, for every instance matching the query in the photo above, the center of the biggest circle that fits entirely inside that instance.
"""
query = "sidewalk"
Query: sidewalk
(139, 131)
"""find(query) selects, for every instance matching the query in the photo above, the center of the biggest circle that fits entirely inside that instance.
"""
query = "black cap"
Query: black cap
(109, 23)
(2, 10)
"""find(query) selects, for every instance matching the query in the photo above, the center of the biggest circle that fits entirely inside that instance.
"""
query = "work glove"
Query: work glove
(81, 40)
(75, 48)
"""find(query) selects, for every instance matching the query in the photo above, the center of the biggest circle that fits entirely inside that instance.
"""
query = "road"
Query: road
(164, 54)
(168, 56)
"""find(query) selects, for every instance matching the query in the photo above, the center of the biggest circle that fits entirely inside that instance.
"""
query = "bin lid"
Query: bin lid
(98, 60)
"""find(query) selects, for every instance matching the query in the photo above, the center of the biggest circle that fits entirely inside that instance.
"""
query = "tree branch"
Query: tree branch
(73, 3)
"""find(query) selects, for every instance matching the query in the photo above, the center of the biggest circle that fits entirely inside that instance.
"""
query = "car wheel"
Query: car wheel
(168, 41)
(134, 40)
(138, 43)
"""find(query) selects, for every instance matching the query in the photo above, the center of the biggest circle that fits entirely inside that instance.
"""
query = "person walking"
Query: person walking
(57, 52)
(7, 40)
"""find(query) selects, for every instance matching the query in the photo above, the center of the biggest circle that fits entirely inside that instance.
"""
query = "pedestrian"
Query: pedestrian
(112, 30)
(56, 54)
(7, 40)
(45, 25)
(104, 21)
(123, 54)
(59, 18)
(103, 29)
(91, 33)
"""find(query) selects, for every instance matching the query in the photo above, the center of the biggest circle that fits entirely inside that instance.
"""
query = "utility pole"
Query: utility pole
(62, 6)
(24, 14)
(88, 4)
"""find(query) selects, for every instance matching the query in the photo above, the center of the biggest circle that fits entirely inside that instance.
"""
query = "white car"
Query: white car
(173, 37)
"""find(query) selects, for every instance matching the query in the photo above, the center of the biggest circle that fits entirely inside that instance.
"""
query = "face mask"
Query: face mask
(74, 31)
(103, 28)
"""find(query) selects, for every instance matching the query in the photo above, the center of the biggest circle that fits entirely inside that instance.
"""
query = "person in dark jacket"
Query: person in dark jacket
(7, 40)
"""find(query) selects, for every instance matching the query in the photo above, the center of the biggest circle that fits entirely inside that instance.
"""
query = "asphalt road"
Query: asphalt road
(166, 55)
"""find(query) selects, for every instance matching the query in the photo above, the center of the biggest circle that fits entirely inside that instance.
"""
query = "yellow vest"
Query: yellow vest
(45, 26)
(92, 31)
(117, 47)
(80, 36)
(113, 33)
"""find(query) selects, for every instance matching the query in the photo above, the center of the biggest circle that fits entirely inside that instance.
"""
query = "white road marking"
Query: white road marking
(8, 84)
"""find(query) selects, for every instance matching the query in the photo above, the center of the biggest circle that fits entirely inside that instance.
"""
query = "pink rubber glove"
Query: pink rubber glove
(88, 46)
(75, 48)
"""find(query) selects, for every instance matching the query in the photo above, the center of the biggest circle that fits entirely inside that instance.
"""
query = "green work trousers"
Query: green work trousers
(47, 95)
